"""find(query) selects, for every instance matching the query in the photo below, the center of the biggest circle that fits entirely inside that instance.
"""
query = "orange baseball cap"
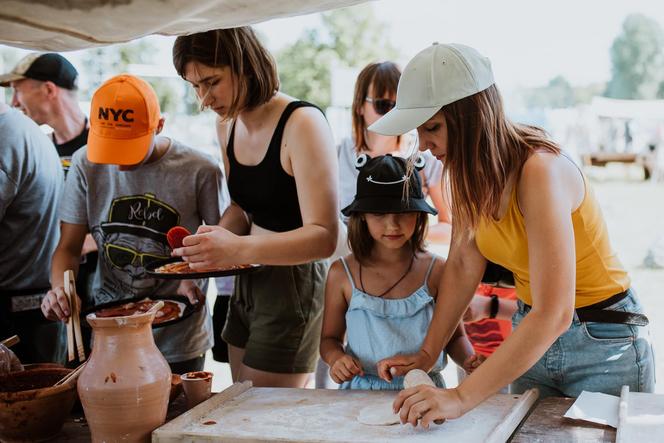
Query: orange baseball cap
(124, 115)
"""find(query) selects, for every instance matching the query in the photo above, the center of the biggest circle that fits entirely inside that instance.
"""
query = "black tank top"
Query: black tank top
(265, 191)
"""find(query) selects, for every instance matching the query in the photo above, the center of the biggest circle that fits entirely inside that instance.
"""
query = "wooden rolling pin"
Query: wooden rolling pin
(417, 377)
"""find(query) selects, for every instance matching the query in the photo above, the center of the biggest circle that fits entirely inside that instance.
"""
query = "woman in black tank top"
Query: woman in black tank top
(281, 173)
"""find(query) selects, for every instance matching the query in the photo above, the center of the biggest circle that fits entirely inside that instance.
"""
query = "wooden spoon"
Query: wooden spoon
(73, 375)
(11, 341)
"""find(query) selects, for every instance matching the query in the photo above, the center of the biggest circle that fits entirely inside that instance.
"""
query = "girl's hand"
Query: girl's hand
(190, 289)
(345, 368)
(472, 362)
(212, 247)
(401, 364)
(426, 404)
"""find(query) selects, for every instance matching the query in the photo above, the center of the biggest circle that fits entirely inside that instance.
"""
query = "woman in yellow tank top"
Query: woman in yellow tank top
(519, 202)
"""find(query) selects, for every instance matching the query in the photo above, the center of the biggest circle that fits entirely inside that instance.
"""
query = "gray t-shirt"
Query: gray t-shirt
(31, 182)
(129, 213)
(346, 153)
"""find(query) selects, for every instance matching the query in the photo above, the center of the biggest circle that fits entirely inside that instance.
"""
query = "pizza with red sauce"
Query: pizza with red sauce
(171, 310)
(181, 267)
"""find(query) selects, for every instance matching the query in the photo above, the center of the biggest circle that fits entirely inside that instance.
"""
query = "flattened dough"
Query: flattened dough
(378, 415)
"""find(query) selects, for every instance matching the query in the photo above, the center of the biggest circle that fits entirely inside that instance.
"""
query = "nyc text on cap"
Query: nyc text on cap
(124, 115)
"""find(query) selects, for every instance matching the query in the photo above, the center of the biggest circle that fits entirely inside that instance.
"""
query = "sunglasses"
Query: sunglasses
(121, 256)
(381, 105)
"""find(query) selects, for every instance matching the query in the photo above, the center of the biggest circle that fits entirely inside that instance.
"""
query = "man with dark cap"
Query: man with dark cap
(45, 89)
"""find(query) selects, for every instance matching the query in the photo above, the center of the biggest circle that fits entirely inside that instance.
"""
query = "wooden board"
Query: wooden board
(245, 414)
(640, 417)
(547, 424)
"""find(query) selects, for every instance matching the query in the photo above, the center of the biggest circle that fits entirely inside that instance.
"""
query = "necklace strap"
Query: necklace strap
(410, 266)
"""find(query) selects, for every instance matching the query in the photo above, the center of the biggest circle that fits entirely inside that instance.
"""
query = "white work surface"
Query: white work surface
(245, 414)
(641, 417)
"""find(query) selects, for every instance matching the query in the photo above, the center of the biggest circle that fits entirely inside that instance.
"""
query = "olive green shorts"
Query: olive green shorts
(275, 315)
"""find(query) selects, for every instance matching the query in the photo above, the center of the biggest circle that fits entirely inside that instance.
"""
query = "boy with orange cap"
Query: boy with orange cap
(128, 187)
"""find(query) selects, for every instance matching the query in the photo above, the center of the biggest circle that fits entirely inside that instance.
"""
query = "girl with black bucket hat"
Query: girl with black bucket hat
(381, 296)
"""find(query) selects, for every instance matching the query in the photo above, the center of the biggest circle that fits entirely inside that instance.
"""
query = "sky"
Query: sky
(528, 41)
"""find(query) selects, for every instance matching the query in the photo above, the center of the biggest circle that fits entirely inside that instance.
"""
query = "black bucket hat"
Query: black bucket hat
(380, 187)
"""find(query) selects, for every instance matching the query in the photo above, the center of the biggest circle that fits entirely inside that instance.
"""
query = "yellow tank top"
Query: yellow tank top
(599, 273)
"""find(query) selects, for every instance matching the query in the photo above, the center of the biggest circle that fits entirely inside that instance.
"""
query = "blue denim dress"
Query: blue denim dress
(378, 328)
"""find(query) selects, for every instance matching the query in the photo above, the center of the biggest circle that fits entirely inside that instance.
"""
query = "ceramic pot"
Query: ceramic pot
(197, 387)
(124, 388)
(31, 409)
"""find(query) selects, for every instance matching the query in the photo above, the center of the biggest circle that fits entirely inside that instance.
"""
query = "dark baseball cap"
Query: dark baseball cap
(50, 67)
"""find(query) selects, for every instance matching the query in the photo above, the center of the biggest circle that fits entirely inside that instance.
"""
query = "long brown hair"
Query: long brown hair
(384, 77)
(361, 242)
(485, 150)
(240, 50)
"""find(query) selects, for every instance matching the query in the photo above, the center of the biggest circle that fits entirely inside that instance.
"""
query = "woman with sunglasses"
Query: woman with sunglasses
(375, 92)
(519, 201)
(281, 171)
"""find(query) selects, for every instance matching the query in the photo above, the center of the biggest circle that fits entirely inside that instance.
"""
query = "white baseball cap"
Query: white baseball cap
(437, 76)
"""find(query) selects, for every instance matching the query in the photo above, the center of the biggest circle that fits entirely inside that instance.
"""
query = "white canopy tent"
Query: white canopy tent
(62, 25)
(628, 109)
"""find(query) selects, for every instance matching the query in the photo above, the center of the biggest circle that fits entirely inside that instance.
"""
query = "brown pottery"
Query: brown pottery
(31, 409)
(124, 388)
(197, 387)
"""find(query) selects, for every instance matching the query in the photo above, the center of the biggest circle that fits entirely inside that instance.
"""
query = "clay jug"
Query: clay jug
(124, 387)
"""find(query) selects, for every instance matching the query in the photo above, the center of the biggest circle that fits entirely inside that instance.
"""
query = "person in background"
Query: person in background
(128, 187)
(46, 89)
(380, 298)
(375, 92)
(488, 318)
(518, 201)
(224, 287)
(282, 177)
(31, 184)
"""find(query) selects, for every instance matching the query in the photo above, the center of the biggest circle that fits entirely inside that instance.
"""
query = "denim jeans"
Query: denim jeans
(597, 357)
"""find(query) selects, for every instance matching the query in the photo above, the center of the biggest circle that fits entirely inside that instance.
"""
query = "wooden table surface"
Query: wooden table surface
(547, 424)
(76, 430)
(544, 424)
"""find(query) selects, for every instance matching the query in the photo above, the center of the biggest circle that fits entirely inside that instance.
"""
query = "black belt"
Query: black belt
(597, 313)
(19, 300)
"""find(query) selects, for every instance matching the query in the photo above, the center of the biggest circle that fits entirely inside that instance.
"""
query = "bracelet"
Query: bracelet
(494, 306)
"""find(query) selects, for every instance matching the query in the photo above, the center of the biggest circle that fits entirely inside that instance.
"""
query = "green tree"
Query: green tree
(350, 37)
(304, 69)
(637, 57)
(357, 37)
(558, 93)
(101, 63)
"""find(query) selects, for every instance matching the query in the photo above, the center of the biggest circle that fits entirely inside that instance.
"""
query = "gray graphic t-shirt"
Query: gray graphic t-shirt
(129, 213)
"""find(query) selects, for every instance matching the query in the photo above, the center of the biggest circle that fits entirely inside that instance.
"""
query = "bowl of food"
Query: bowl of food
(31, 408)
